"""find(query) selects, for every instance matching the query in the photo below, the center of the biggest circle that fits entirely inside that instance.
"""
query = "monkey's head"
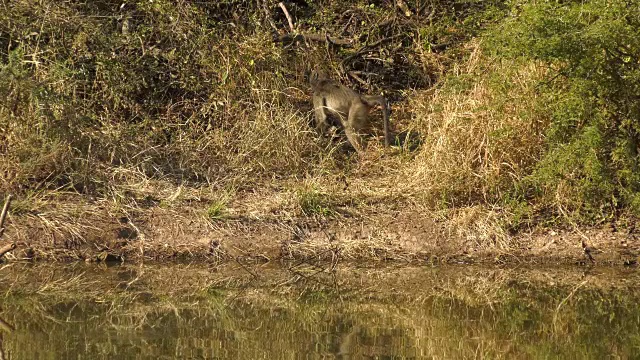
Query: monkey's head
(315, 75)
(308, 76)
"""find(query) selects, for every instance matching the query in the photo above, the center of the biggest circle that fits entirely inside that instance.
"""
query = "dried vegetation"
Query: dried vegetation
(161, 129)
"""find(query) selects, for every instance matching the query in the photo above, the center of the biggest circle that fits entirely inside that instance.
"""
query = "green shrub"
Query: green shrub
(591, 165)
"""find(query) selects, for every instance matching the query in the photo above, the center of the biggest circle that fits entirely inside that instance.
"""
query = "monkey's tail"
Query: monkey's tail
(385, 115)
(386, 112)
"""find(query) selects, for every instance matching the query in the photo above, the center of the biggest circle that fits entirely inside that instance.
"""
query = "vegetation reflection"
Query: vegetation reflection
(185, 311)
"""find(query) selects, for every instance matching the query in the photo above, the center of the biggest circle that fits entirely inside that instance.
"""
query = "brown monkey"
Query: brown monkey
(350, 107)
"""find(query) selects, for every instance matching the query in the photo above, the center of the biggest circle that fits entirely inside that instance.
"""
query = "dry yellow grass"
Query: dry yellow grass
(479, 138)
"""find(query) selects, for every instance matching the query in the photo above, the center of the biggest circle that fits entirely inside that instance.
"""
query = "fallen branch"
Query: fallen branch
(313, 37)
(6, 248)
(367, 47)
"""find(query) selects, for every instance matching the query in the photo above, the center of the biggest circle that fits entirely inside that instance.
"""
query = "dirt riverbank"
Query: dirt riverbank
(265, 231)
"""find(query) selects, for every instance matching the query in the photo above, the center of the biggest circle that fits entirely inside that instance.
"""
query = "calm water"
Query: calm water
(277, 312)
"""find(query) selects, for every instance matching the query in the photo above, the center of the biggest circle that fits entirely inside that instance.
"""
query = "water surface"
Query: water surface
(240, 311)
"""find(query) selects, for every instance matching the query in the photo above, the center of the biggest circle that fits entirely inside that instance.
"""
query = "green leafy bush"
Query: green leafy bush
(591, 165)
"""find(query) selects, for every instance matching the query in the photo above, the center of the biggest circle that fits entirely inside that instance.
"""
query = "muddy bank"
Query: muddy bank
(271, 234)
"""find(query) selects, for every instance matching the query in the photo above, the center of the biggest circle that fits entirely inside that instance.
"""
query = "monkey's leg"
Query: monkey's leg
(355, 124)
(320, 115)
(354, 139)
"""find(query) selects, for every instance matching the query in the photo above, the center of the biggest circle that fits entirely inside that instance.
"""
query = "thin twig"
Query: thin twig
(3, 216)
(140, 235)
(555, 315)
(286, 13)
(5, 210)
(346, 25)
(245, 268)
(310, 277)
(267, 16)
(354, 75)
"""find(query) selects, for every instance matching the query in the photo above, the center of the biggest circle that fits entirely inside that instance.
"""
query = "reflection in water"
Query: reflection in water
(4, 328)
(195, 312)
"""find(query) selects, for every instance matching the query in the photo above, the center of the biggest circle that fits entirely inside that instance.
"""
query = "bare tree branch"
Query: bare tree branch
(313, 37)
(286, 13)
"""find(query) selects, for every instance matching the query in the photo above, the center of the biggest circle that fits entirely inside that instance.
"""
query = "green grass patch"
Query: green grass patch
(314, 202)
